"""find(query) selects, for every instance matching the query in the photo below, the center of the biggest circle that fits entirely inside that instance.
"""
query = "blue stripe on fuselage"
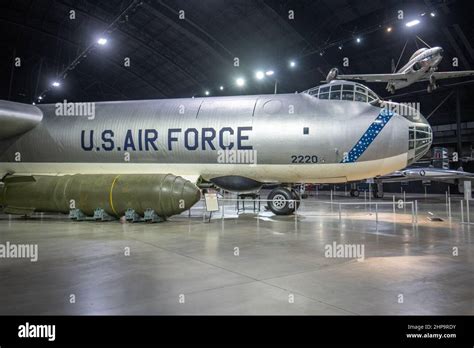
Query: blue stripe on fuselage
(370, 134)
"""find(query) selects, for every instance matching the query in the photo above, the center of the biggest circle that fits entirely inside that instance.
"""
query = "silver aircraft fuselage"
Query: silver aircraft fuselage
(294, 138)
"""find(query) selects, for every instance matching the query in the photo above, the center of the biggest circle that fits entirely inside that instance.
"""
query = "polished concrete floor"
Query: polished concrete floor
(190, 266)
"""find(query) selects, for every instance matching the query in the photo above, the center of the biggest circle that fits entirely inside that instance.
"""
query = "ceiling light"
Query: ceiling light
(432, 14)
(56, 84)
(292, 64)
(259, 75)
(389, 29)
(413, 23)
(221, 88)
(206, 92)
(358, 40)
(240, 81)
(102, 41)
(269, 72)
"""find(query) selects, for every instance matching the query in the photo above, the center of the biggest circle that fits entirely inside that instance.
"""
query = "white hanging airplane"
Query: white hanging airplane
(422, 66)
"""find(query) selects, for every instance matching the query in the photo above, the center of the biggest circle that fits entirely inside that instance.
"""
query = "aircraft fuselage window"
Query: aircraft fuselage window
(323, 95)
(422, 138)
(324, 90)
(348, 87)
(360, 97)
(347, 95)
(411, 138)
(336, 95)
(360, 89)
(336, 88)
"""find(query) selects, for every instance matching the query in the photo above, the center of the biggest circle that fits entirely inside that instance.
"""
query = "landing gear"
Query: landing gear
(377, 194)
(378, 191)
(432, 84)
(391, 89)
(354, 193)
(297, 198)
(279, 201)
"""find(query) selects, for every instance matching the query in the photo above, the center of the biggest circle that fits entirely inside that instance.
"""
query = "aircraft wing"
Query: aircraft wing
(373, 77)
(425, 173)
(451, 74)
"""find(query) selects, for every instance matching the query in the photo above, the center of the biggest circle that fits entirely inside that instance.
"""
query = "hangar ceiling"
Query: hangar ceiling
(173, 57)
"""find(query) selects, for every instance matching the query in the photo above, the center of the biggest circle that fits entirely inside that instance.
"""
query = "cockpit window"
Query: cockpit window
(313, 91)
(343, 90)
(360, 97)
(336, 95)
(417, 66)
(348, 95)
(348, 87)
(324, 90)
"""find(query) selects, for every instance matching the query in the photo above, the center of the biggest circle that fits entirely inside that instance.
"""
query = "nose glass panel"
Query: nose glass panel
(419, 141)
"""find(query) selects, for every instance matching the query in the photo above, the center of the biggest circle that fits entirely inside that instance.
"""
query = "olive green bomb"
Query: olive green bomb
(165, 194)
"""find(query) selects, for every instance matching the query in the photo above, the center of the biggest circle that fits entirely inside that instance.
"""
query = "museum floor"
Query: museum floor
(246, 264)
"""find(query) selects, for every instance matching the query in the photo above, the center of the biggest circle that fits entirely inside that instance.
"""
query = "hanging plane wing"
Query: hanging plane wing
(449, 74)
(370, 77)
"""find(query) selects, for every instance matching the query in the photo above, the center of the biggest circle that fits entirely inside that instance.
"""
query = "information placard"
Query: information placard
(467, 190)
(211, 201)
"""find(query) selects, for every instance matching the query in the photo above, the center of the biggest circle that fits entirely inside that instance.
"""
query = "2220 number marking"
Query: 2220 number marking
(304, 159)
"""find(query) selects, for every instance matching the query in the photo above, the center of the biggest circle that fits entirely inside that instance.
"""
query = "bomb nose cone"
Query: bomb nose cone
(176, 194)
(191, 195)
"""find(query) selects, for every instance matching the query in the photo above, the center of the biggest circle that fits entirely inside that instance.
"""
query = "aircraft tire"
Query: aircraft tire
(277, 204)
(354, 193)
